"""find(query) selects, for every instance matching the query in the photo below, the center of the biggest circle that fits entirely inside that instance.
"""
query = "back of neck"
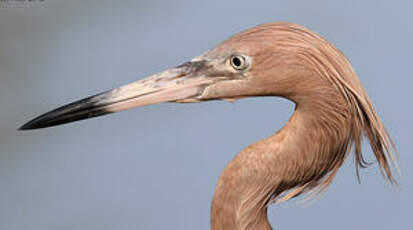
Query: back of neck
(296, 157)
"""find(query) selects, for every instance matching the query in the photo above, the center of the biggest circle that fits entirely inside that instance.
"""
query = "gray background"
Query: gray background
(156, 167)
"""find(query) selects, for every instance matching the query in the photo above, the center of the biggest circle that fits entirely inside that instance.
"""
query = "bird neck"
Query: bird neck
(286, 160)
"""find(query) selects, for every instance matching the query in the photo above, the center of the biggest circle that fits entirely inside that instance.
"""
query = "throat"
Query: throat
(291, 159)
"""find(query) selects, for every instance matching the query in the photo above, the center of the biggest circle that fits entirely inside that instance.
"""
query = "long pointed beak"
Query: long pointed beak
(180, 84)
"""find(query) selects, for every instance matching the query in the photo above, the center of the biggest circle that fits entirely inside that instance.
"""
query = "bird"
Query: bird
(332, 115)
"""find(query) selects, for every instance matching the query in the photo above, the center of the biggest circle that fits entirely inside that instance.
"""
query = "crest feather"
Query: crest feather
(331, 64)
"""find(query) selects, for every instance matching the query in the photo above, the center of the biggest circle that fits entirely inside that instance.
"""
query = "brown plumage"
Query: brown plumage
(333, 113)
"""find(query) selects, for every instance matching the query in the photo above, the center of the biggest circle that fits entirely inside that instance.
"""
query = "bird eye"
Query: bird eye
(238, 62)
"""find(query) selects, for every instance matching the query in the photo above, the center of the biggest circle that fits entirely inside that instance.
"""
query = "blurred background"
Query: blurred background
(156, 167)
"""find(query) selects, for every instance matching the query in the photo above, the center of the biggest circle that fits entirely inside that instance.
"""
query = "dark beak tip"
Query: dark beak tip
(29, 126)
(39, 122)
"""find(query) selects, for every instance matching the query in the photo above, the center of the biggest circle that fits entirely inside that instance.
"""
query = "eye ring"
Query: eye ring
(238, 62)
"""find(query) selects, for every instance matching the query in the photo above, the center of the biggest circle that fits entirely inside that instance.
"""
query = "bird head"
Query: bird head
(261, 61)
(273, 59)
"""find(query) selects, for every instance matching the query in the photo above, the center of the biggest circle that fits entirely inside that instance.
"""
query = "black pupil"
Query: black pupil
(236, 61)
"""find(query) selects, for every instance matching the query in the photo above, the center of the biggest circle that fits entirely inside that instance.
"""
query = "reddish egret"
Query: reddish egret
(333, 113)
